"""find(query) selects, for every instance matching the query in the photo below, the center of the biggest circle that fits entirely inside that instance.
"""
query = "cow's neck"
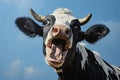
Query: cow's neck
(67, 70)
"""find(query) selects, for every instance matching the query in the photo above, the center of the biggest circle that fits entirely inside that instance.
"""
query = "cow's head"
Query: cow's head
(61, 31)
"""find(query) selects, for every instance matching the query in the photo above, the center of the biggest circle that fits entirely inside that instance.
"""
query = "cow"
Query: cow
(63, 48)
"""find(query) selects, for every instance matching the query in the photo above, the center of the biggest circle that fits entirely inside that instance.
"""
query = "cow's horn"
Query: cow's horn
(85, 19)
(36, 16)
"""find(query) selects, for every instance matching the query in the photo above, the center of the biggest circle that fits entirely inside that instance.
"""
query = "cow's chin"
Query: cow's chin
(56, 51)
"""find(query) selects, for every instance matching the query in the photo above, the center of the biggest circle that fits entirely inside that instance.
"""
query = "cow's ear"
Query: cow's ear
(96, 32)
(29, 27)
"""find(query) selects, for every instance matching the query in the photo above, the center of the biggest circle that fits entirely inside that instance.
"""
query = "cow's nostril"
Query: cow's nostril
(55, 30)
(68, 31)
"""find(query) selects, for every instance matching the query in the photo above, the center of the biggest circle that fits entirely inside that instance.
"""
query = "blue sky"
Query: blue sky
(21, 57)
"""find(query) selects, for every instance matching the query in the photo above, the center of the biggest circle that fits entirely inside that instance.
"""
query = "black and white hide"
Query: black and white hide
(62, 47)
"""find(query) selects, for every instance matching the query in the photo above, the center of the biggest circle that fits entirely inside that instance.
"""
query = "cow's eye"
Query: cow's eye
(75, 25)
(46, 22)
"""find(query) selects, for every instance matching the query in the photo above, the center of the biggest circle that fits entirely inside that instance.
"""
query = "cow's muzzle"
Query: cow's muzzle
(58, 46)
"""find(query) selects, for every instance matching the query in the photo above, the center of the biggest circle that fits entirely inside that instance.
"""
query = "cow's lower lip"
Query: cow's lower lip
(55, 62)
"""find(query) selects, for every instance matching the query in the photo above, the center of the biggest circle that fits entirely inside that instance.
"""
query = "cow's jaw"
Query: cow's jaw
(56, 51)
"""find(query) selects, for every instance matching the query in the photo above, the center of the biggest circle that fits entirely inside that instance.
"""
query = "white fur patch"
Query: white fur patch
(63, 16)
(84, 54)
(62, 11)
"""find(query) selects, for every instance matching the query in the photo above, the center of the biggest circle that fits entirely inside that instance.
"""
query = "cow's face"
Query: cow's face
(60, 32)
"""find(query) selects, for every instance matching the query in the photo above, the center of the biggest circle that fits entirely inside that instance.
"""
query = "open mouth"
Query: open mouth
(58, 43)
(56, 50)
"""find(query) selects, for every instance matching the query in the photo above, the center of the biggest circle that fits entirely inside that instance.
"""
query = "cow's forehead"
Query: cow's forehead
(63, 16)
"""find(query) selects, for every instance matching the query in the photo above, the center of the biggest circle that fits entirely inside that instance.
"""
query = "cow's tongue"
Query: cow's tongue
(57, 51)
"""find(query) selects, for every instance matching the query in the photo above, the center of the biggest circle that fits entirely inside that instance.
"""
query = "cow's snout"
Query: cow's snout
(61, 31)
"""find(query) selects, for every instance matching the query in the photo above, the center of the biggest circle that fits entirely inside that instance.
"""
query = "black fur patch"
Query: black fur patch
(48, 22)
(96, 32)
(28, 26)
(75, 26)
